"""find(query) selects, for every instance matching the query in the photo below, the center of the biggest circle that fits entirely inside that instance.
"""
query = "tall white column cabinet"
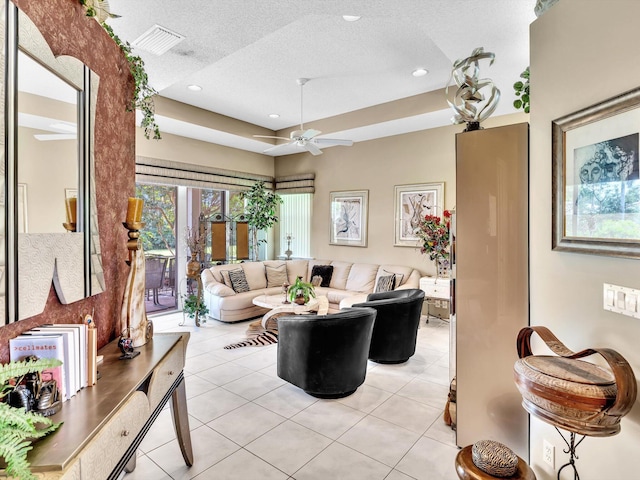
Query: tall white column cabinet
(490, 283)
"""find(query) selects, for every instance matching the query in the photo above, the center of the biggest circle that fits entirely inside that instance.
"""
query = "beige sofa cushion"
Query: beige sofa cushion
(225, 274)
(297, 268)
(340, 274)
(276, 272)
(362, 277)
(335, 296)
(398, 270)
(256, 278)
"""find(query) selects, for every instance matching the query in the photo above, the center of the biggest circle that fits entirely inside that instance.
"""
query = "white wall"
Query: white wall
(378, 165)
(582, 52)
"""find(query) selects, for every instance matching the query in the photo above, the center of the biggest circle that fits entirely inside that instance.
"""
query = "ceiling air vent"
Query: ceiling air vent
(157, 40)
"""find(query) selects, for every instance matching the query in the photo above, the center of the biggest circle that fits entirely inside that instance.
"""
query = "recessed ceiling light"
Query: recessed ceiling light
(351, 18)
(274, 115)
(194, 88)
(419, 72)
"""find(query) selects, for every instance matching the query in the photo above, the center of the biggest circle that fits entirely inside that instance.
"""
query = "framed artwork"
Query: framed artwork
(412, 203)
(595, 181)
(349, 211)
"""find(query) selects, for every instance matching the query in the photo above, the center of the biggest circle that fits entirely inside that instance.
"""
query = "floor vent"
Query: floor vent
(157, 40)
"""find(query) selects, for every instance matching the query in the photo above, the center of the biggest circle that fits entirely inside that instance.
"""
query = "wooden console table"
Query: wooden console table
(105, 424)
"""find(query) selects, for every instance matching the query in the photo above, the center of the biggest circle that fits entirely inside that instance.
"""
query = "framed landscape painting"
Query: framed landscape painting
(349, 211)
(596, 185)
(412, 203)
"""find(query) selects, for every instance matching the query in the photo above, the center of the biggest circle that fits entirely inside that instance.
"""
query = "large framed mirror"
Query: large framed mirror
(50, 218)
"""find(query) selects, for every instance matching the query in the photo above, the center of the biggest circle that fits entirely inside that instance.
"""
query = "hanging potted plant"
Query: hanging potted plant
(260, 210)
(194, 306)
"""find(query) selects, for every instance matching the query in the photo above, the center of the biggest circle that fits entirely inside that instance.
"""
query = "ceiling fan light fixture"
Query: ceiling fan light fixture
(351, 18)
(419, 72)
(194, 88)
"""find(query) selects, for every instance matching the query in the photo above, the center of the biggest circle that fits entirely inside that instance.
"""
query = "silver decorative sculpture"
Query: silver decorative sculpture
(469, 103)
(543, 5)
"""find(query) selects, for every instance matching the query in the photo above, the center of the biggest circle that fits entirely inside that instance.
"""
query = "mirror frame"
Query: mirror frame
(87, 85)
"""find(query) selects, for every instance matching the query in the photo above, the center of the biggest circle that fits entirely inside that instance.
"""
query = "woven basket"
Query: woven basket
(569, 393)
(494, 458)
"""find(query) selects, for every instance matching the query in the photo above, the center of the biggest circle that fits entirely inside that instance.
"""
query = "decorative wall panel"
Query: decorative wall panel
(69, 31)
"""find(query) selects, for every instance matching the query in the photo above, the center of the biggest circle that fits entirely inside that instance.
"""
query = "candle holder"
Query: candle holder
(136, 328)
(133, 244)
(69, 227)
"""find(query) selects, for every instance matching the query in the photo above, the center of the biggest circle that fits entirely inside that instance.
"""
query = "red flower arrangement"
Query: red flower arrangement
(433, 232)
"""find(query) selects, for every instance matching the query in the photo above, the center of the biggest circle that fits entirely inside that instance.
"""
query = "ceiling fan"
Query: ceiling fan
(305, 138)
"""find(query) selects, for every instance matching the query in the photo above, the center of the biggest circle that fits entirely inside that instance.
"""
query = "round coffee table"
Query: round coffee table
(277, 308)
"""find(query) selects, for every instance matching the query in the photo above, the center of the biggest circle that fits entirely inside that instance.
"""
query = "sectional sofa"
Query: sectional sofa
(229, 298)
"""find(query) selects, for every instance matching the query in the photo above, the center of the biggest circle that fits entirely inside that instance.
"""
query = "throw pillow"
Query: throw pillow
(325, 271)
(238, 281)
(399, 277)
(385, 284)
(276, 276)
(316, 281)
(225, 276)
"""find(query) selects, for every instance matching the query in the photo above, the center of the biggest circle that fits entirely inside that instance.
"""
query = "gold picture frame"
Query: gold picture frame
(596, 178)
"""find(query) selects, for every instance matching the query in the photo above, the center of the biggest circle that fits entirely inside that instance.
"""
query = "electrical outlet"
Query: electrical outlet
(548, 453)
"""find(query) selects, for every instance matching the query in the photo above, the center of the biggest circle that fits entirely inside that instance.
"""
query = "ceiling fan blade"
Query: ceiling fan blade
(276, 148)
(271, 136)
(310, 133)
(332, 141)
(311, 148)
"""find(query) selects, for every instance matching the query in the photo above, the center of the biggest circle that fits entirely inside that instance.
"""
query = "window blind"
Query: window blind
(295, 220)
(301, 183)
(166, 172)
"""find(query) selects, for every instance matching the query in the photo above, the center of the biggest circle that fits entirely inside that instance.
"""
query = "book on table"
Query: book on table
(71, 345)
(81, 345)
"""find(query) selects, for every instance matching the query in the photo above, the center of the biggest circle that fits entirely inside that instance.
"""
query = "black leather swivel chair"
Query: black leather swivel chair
(396, 326)
(325, 355)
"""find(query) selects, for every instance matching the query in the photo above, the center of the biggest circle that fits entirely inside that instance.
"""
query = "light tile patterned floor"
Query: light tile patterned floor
(246, 423)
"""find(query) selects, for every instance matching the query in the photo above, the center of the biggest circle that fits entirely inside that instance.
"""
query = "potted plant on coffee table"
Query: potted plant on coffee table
(301, 292)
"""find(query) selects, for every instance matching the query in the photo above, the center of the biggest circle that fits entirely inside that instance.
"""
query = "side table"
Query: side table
(466, 469)
(436, 293)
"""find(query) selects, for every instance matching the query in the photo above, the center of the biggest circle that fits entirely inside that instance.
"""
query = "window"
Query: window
(295, 221)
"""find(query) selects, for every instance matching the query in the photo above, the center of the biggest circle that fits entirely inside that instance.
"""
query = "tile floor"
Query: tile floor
(247, 423)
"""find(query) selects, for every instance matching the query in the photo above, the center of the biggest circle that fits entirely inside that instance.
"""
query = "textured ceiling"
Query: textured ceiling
(247, 54)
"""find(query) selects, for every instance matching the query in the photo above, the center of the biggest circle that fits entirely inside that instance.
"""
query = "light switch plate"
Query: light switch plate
(623, 300)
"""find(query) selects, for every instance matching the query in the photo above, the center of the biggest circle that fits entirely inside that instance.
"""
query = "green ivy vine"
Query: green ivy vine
(522, 90)
(143, 93)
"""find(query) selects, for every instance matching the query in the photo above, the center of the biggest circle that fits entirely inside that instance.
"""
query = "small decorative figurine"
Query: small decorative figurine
(126, 347)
